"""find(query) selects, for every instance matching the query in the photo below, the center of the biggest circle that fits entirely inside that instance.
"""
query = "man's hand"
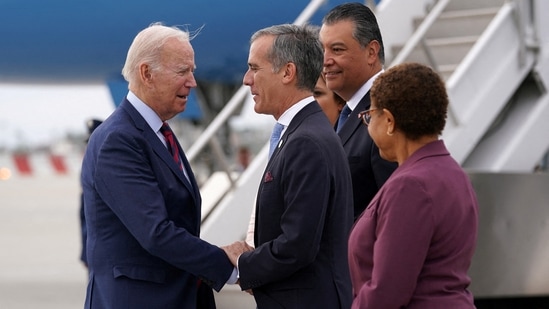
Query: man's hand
(235, 249)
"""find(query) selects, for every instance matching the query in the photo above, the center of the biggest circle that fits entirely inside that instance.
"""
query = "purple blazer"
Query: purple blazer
(413, 244)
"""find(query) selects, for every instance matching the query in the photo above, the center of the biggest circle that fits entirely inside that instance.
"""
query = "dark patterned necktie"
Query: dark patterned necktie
(343, 117)
(172, 145)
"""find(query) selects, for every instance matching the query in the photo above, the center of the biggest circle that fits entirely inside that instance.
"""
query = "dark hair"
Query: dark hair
(299, 45)
(92, 124)
(415, 95)
(366, 27)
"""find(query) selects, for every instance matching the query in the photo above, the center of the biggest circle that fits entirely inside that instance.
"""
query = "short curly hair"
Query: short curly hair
(416, 96)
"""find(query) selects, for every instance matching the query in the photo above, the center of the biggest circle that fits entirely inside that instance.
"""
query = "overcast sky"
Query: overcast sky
(38, 114)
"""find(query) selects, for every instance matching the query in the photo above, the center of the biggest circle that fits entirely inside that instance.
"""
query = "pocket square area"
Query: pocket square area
(268, 177)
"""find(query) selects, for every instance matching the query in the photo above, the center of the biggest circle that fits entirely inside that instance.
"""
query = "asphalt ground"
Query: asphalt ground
(40, 246)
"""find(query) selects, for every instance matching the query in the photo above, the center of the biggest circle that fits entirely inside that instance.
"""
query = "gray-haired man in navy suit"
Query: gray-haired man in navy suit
(304, 203)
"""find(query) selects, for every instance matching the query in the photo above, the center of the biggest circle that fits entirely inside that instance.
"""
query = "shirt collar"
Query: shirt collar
(355, 99)
(145, 111)
(290, 113)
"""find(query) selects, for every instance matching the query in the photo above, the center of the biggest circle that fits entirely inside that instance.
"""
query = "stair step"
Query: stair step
(446, 51)
(446, 70)
(473, 4)
(453, 40)
(460, 23)
(470, 12)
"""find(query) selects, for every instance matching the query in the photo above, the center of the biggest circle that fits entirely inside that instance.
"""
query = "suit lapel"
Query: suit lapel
(296, 121)
(165, 155)
(309, 109)
(162, 151)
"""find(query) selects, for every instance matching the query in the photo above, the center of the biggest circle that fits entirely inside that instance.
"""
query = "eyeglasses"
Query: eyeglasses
(365, 116)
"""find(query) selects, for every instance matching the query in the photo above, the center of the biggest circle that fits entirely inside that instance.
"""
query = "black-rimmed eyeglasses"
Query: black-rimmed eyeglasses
(366, 116)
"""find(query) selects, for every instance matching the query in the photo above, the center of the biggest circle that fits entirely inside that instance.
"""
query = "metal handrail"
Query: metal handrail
(216, 123)
(421, 31)
(525, 19)
(311, 8)
(418, 38)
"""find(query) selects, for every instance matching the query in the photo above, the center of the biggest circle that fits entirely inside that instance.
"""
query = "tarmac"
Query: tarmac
(40, 243)
(40, 246)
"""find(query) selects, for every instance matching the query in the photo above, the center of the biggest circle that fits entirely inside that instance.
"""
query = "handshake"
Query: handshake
(235, 249)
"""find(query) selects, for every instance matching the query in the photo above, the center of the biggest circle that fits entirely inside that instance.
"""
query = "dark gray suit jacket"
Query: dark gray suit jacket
(303, 219)
(368, 170)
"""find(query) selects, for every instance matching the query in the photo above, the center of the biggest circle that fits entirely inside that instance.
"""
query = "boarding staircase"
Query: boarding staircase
(493, 56)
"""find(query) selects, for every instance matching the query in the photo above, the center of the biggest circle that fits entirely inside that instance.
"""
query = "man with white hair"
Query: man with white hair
(141, 199)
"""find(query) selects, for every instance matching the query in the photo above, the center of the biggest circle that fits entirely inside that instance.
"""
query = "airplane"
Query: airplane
(66, 41)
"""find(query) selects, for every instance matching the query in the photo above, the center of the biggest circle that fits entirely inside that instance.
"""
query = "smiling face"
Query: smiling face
(347, 64)
(167, 88)
(264, 84)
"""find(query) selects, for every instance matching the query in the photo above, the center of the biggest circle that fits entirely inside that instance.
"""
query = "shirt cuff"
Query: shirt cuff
(234, 277)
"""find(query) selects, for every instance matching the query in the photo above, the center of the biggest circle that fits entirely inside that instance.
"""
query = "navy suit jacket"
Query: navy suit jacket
(143, 221)
(303, 219)
(368, 170)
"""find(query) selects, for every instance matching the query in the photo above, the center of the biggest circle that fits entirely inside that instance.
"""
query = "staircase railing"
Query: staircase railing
(418, 39)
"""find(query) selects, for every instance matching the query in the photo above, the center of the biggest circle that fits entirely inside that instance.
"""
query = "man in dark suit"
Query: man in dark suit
(141, 200)
(304, 203)
(91, 124)
(353, 58)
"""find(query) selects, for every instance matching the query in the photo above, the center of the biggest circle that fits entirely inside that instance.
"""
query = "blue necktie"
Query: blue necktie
(275, 137)
(343, 117)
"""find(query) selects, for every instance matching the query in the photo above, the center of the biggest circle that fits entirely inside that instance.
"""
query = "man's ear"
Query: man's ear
(290, 71)
(373, 50)
(145, 73)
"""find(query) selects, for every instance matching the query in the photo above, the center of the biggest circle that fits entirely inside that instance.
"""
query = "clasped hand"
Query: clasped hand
(235, 249)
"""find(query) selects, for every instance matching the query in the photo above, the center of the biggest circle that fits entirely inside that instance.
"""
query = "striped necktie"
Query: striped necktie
(172, 145)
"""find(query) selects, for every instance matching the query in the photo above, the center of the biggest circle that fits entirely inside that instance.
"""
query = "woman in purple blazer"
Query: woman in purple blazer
(412, 246)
